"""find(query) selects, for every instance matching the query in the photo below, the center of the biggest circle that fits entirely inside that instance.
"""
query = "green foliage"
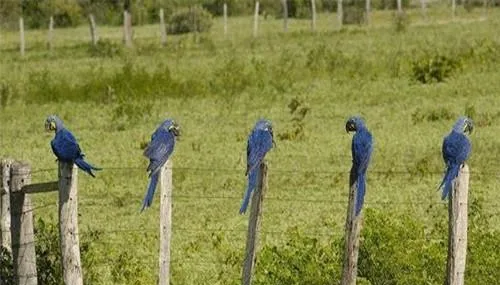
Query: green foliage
(431, 115)
(234, 7)
(6, 267)
(435, 67)
(48, 258)
(300, 260)
(37, 13)
(105, 48)
(401, 21)
(4, 95)
(353, 15)
(297, 129)
(194, 19)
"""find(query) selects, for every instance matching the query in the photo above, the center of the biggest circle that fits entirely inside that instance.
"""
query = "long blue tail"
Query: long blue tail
(451, 173)
(252, 183)
(360, 194)
(85, 166)
(151, 191)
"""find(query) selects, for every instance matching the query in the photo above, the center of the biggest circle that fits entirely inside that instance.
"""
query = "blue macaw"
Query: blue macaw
(65, 146)
(260, 141)
(362, 147)
(456, 150)
(158, 151)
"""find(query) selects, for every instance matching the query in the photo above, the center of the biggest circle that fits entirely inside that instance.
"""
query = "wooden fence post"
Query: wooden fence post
(21, 36)
(313, 15)
(225, 18)
(163, 29)
(453, 8)
(256, 19)
(285, 15)
(422, 6)
(22, 234)
(51, 33)
(340, 14)
(254, 225)
(400, 6)
(368, 8)
(5, 241)
(127, 28)
(457, 235)
(165, 222)
(68, 224)
(352, 228)
(93, 30)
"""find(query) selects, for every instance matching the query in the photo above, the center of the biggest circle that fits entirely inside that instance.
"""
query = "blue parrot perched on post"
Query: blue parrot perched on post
(362, 147)
(456, 150)
(260, 141)
(65, 146)
(158, 151)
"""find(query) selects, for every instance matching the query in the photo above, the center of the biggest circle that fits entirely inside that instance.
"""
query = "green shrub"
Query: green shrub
(194, 19)
(234, 7)
(105, 48)
(435, 67)
(353, 15)
(6, 267)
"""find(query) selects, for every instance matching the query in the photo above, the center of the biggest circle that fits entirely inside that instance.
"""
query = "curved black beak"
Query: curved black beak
(350, 126)
(469, 126)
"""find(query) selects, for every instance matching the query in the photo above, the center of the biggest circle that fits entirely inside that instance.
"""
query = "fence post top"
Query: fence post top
(20, 168)
(6, 161)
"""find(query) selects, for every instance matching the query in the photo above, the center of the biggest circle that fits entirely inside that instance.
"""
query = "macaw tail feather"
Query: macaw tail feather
(451, 174)
(360, 193)
(252, 183)
(85, 166)
(148, 199)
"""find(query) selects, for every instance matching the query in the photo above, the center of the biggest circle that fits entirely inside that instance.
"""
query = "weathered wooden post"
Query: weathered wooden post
(165, 221)
(254, 225)
(422, 6)
(313, 15)
(256, 19)
(5, 240)
(225, 19)
(340, 14)
(453, 8)
(285, 15)
(50, 34)
(457, 235)
(93, 30)
(400, 6)
(21, 36)
(368, 10)
(127, 23)
(163, 29)
(22, 234)
(352, 228)
(68, 224)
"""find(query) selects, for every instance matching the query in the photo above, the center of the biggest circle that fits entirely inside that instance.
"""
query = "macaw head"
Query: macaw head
(464, 125)
(265, 125)
(354, 123)
(53, 123)
(172, 126)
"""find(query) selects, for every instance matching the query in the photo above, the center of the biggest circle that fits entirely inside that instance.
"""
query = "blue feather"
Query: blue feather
(159, 151)
(148, 199)
(360, 194)
(85, 166)
(451, 174)
(252, 184)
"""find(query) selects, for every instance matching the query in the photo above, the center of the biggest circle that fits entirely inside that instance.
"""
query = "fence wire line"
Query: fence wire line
(280, 170)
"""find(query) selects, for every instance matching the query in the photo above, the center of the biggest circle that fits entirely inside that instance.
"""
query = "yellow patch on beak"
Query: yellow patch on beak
(52, 125)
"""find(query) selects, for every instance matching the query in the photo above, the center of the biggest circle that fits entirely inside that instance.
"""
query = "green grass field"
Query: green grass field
(216, 89)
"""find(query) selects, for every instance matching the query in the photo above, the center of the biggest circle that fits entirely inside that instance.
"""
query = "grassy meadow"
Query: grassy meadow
(113, 98)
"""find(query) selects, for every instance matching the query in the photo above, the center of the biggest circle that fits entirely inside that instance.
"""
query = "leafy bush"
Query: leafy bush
(353, 15)
(234, 7)
(435, 67)
(48, 258)
(194, 19)
(36, 13)
(6, 267)
(105, 48)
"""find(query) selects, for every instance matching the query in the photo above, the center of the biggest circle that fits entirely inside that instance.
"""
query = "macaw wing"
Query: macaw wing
(260, 142)
(362, 148)
(456, 148)
(159, 149)
(65, 146)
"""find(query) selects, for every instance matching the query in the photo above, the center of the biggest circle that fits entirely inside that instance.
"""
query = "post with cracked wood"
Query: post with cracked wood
(5, 241)
(22, 234)
(457, 228)
(352, 230)
(68, 224)
(165, 221)
(254, 226)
